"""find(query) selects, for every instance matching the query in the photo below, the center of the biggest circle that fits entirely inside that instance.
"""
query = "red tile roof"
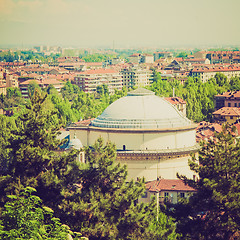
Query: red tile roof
(234, 94)
(175, 100)
(217, 69)
(227, 111)
(206, 130)
(40, 82)
(98, 71)
(168, 185)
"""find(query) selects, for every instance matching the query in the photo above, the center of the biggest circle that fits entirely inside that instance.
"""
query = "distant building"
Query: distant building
(158, 55)
(11, 80)
(205, 73)
(135, 58)
(207, 130)
(227, 99)
(89, 80)
(170, 190)
(147, 58)
(227, 114)
(42, 84)
(223, 57)
(136, 77)
(179, 103)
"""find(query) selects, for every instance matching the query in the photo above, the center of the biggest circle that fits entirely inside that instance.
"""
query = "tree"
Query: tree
(30, 157)
(32, 86)
(214, 211)
(24, 217)
(221, 79)
(94, 199)
(105, 205)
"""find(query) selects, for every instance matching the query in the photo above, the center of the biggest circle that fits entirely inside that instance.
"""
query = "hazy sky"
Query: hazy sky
(126, 22)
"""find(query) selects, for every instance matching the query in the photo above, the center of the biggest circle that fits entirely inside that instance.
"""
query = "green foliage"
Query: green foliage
(70, 91)
(12, 100)
(24, 217)
(214, 211)
(104, 205)
(31, 88)
(94, 198)
(198, 95)
(96, 57)
(164, 227)
(29, 154)
(182, 55)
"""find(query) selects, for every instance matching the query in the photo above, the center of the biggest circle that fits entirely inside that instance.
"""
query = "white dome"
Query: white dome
(141, 109)
(75, 143)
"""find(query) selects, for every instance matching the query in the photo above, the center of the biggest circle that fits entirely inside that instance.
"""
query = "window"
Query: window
(229, 104)
(124, 147)
(231, 117)
(166, 195)
(235, 104)
(182, 195)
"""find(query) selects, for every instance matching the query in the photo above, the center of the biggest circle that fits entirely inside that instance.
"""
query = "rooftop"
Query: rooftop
(141, 109)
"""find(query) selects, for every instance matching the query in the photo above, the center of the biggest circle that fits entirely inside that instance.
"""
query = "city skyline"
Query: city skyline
(120, 23)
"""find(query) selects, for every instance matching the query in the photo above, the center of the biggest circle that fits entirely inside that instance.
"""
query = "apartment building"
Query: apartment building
(136, 77)
(223, 56)
(227, 114)
(135, 58)
(147, 58)
(227, 99)
(41, 83)
(89, 80)
(205, 73)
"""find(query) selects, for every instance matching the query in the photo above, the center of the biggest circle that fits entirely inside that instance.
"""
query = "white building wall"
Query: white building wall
(151, 169)
(139, 141)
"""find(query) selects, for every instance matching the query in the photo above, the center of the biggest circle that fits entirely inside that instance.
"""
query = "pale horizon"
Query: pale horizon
(108, 23)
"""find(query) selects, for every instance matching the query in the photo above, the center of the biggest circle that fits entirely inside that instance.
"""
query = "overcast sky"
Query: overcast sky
(92, 23)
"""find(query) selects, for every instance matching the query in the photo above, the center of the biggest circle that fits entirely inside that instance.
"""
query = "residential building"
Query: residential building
(227, 99)
(169, 190)
(135, 58)
(207, 130)
(223, 56)
(136, 77)
(89, 80)
(11, 80)
(205, 73)
(42, 84)
(179, 103)
(227, 114)
(147, 58)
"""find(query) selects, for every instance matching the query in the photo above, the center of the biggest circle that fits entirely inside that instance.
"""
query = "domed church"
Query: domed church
(151, 136)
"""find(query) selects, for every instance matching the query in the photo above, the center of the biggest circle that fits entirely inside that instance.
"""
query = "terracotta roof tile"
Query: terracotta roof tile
(168, 185)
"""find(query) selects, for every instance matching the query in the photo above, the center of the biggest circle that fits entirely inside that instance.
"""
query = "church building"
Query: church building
(152, 137)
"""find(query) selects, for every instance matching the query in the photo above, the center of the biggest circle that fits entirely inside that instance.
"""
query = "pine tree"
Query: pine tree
(31, 159)
(105, 205)
(214, 211)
